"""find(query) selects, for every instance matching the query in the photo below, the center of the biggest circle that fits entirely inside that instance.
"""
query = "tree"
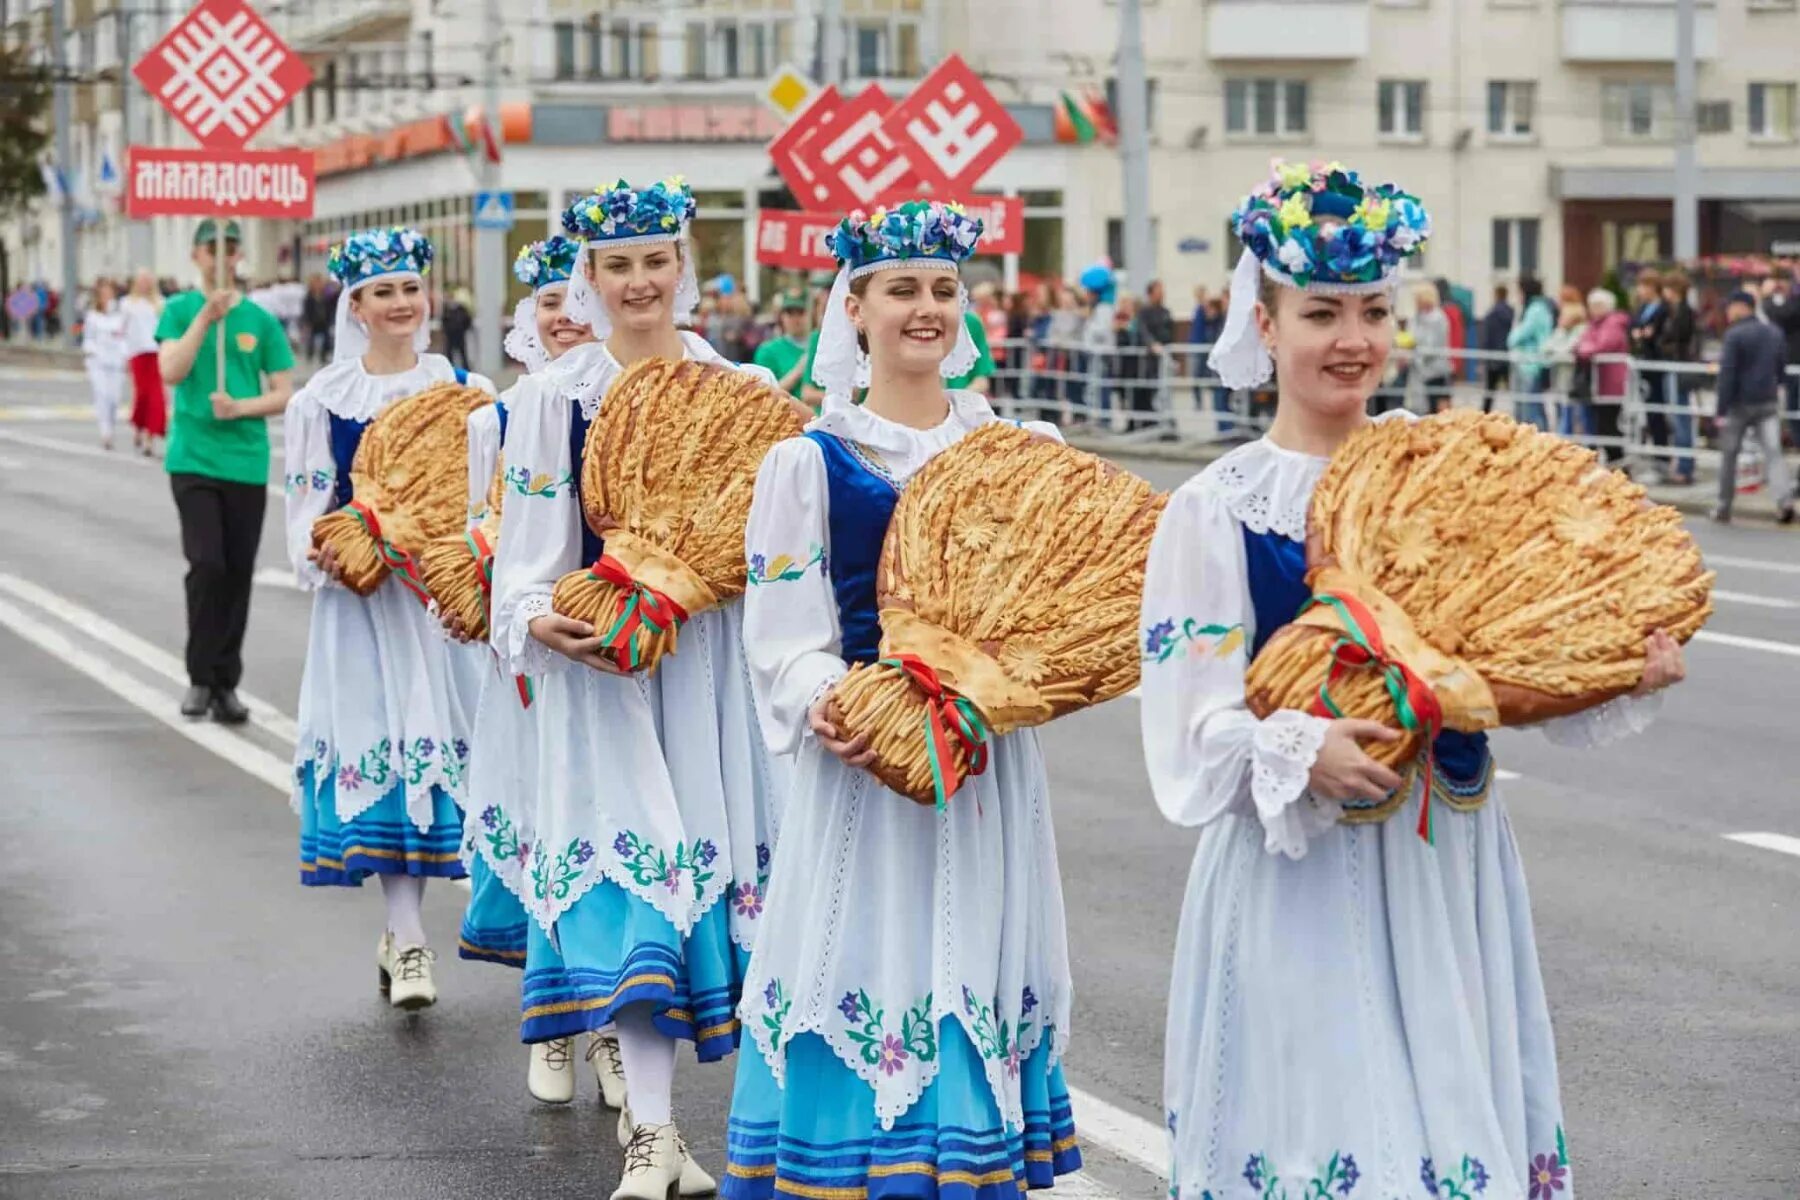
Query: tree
(25, 95)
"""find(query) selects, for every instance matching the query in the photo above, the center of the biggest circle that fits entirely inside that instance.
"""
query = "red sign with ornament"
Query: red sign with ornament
(222, 72)
(952, 129)
(243, 183)
(795, 241)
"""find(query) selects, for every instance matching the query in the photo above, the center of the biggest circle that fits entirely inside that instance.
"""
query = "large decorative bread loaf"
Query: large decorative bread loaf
(666, 478)
(1009, 587)
(410, 482)
(458, 569)
(1508, 577)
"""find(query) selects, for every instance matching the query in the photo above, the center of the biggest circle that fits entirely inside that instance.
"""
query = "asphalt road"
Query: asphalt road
(178, 1018)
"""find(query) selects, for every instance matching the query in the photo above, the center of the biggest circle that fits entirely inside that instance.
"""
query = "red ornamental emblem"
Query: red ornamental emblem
(222, 72)
(951, 129)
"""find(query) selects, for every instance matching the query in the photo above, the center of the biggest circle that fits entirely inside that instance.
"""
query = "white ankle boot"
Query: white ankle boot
(405, 974)
(653, 1159)
(609, 1068)
(693, 1180)
(551, 1077)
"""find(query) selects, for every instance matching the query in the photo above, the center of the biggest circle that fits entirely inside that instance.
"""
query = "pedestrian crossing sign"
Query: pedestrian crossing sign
(493, 210)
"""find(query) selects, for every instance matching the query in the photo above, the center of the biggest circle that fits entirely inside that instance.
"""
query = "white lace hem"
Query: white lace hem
(1614, 721)
(521, 653)
(1283, 750)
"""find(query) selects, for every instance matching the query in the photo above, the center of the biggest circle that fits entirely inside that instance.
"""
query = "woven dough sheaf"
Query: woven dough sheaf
(1506, 566)
(666, 479)
(456, 574)
(411, 470)
(1014, 567)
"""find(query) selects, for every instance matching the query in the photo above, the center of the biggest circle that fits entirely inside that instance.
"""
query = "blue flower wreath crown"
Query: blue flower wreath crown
(1321, 224)
(375, 252)
(551, 261)
(918, 229)
(617, 211)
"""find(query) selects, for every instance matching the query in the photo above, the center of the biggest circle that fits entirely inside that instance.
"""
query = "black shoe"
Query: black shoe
(197, 700)
(1785, 514)
(227, 709)
(1720, 515)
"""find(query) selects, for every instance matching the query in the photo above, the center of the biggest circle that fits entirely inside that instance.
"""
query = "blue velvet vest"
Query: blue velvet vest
(500, 411)
(591, 545)
(1278, 588)
(862, 503)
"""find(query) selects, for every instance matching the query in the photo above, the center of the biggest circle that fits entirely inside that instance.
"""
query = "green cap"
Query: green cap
(789, 301)
(208, 231)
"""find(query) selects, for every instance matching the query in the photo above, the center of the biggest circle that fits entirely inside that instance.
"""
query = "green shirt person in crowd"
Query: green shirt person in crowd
(218, 460)
(975, 380)
(787, 355)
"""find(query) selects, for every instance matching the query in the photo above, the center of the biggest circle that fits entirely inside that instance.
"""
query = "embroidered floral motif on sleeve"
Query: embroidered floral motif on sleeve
(316, 481)
(785, 568)
(881, 1048)
(649, 864)
(1163, 641)
(526, 483)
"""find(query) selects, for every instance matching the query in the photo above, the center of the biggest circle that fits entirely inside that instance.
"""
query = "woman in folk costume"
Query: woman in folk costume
(909, 995)
(503, 741)
(641, 869)
(1354, 1009)
(381, 752)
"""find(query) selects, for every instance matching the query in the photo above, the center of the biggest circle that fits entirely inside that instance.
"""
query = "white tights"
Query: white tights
(405, 894)
(649, 1060)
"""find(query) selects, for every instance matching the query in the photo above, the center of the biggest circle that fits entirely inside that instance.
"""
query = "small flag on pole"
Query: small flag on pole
(459, 132)
(56, 184)
(1083, 117)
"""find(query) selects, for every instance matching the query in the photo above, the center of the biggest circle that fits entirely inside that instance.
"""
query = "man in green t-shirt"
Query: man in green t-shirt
(976, 380)
(218, 461)
(785, 356)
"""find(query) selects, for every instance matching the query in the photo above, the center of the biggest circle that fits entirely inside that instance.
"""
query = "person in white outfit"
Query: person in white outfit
(1356, 1010)
(103, 334)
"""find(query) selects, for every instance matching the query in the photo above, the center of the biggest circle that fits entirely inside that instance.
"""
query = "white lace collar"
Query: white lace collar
(344, 389)
(586, 372)
(1268, 488)
(906, 448)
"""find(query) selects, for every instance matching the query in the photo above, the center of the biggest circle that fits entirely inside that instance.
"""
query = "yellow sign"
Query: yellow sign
(787, 91)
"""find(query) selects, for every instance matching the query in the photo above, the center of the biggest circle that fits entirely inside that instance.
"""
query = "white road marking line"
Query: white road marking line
(45, 412)
(1788, 649)
(279, 577)
(62, 447)
(1779, 842)
(1082, 1187)
(1753, 601)
(1752, 564)
(246, 756)
(90, 624)
(1140, 1142)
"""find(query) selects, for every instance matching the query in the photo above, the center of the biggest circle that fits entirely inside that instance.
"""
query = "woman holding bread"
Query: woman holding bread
(1354, 1009)
(652, 813)
(503, 740)
(908, 999)
(381, 752)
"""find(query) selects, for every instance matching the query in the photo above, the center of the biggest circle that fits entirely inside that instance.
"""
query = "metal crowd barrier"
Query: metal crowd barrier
(1657, 417)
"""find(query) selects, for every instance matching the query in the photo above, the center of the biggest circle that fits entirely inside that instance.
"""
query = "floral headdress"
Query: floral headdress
(540, 265)
(921, 234)
(616, 211)
(376, 252)
(364, 257)
(1317, 228)
(618, 214)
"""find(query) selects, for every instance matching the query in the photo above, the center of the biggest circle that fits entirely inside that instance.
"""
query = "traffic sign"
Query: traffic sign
(222, 72)
(494, 210)
(788, 91)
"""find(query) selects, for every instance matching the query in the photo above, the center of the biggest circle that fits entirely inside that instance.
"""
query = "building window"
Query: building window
(564, 33)
(1771, 112)
(1401, 109)
(1516, 245)
(1112, 102)
(882, 47)
(1511, 108)
(593, 33)
(1638, 112)
(695, 44)
(1269, 108)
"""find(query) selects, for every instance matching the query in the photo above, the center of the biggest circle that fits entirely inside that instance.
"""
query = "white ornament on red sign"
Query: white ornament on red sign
(952, 129)
(222, 72)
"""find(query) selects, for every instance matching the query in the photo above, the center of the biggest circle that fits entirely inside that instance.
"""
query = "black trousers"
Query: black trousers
(221, 527)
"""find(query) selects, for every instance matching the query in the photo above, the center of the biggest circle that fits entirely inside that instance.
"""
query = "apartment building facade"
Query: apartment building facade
(1539, 132)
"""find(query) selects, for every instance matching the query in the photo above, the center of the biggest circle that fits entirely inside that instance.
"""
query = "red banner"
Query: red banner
(795, 241)
(207, 183)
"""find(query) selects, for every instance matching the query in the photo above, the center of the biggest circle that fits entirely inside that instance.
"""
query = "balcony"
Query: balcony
(1632, 31)
(315, 24)
(1280, 30)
